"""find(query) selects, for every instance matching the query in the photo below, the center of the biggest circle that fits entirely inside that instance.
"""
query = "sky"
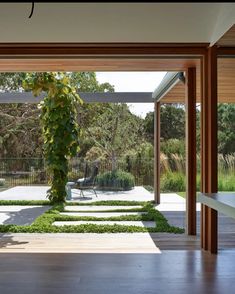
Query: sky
(133, 82)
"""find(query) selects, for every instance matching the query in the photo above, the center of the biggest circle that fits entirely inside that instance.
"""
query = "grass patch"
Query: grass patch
(149, 188)
(182, 194)
(108, 203)
(109, 210)
(43, 224)
(24, 202)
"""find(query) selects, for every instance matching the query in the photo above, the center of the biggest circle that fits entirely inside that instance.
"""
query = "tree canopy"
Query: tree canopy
(20, 131)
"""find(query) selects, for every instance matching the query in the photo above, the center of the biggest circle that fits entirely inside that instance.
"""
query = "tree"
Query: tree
(172, 122)
(20, 131)
(116, 131)
(20, 134)
(226, 128)
(59, 126)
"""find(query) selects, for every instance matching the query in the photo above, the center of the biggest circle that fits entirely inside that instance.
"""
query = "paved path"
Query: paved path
(25, 193)
(99, 208)
(146, 224)
(139, 193)
(173, 202)
(101, 214)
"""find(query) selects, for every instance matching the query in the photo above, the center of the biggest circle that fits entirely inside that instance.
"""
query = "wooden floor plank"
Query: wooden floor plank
(177, 272)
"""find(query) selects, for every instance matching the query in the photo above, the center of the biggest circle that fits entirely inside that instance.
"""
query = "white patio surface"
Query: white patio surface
(39, 193)
(169, 201)
(25, 193)
(172, 205)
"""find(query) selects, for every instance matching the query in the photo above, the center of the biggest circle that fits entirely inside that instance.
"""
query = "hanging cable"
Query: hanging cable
(32, 9)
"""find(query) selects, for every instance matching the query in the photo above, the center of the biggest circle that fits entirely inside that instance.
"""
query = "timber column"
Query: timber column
(157, 136)
(209, 181)
(191, 156)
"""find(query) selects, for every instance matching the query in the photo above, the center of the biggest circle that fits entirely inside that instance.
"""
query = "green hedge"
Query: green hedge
(44, 223)
(116, 180)
(173, 181)
(2, 182)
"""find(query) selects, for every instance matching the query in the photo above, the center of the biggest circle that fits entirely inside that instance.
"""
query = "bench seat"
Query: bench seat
(223, 202)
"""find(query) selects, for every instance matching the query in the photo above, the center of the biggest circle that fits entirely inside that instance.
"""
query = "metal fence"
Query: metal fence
(23, 171)
(32, 171)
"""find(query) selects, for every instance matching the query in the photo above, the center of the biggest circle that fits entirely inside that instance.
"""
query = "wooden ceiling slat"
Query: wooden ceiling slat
(226, 85)
(228, 38)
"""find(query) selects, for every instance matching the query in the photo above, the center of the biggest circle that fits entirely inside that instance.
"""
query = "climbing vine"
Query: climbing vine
(59, 126)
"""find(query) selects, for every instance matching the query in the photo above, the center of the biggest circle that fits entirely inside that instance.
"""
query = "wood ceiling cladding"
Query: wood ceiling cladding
(114, 57)
(228, 38)
(226, 85)
(226, 80)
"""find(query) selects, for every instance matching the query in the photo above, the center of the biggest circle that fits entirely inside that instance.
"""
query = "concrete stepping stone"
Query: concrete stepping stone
(99, 207)
(101, 214)
(146, 224)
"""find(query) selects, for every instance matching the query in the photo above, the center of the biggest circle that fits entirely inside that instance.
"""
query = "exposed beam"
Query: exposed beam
(226, 52)
(157, 132)
(191, 162)
(118, 97)
(94, 49)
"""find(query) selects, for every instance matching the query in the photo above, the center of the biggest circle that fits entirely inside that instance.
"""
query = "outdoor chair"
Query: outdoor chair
(88, 183)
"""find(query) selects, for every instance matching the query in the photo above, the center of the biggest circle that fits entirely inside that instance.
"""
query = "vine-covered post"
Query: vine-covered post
(59, 126)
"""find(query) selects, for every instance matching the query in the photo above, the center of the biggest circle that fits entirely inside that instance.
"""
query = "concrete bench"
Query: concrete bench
(215, 202)
(222, 202)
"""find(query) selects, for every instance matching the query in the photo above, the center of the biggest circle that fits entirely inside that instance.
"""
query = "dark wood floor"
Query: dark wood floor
(177, 272)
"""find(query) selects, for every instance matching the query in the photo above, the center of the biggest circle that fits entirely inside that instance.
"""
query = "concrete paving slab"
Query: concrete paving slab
(139, 193)
(20, 215)
(99, 208)
(25, 193)
(101, 214)
(172, 198)
(173, 202)
(147, 224)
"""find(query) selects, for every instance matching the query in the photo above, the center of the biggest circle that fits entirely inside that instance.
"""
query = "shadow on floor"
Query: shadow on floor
(25, 216)
(6, 240)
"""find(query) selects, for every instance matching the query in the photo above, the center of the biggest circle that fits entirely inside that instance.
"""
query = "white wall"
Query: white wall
(111, 22)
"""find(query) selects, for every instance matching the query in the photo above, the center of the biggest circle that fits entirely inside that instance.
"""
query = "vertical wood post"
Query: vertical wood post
(157, 136)
(209, 181)
(191, 160)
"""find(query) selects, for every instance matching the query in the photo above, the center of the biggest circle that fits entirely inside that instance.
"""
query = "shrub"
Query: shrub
(173, 181)
(2, 182)
(226, 182)
(73, 176)
(116, 180)
(173, 146)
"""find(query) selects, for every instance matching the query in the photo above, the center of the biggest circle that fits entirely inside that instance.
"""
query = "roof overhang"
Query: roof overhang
(172, 90)
(169, 81)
